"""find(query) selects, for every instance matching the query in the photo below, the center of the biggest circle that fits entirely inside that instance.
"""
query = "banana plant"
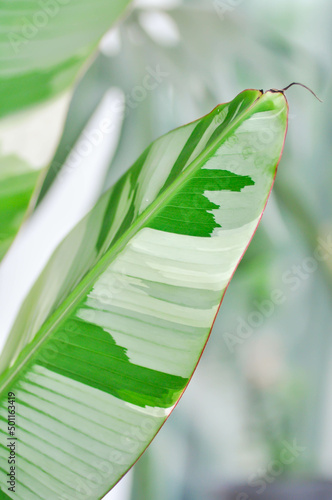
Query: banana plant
(112, 330)
(45, 47)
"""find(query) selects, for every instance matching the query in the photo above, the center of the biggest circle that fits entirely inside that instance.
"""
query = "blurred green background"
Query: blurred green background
(265, 379)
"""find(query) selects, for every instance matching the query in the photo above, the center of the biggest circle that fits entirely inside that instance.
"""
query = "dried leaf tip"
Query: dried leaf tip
(296, 83)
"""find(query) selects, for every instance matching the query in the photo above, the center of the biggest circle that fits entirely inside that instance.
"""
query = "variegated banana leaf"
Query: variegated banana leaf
(109, 336)
(44, 45)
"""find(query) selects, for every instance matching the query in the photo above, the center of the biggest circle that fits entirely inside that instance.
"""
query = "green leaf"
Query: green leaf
(111, 332)
(45, 43)
(17, 183)
(44, 46)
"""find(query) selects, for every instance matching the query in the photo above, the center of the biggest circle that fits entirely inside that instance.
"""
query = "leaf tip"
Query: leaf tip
(282, 91)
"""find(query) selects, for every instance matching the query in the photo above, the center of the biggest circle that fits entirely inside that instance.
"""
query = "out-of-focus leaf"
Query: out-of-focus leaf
(44, 46)
(17, 183)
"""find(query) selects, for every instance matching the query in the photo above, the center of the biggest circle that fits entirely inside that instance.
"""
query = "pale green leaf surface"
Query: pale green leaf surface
(111, 332)
(43, 47)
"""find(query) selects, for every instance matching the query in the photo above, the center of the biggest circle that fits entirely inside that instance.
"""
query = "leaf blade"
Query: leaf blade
(130, 334)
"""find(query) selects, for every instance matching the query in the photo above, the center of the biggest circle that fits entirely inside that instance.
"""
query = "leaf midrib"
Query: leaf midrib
(82, 288)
